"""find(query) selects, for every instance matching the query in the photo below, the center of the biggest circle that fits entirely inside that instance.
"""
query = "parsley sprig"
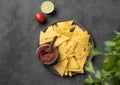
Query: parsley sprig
(110, 72)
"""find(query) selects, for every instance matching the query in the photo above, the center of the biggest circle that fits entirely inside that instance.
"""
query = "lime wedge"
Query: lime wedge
(47, 7)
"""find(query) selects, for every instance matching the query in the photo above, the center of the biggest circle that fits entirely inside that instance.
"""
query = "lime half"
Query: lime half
(47, 7)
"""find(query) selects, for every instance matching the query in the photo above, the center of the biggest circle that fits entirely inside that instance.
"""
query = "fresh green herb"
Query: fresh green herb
(89, 80)
(96, 52)
(89, 67)
(110, 72)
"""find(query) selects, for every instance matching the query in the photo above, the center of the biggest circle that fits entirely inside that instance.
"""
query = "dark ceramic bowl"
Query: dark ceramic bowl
(44, 47)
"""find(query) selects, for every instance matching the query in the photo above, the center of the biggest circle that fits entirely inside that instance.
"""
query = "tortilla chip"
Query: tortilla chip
(43, 40)
(50, 33)
(60, 67)
(60, 40)
(78, 30)
(66, 72)
(65, 24)
(78, 70)
(62, 55)
(70, 73)
(81, 62)
(72, 63)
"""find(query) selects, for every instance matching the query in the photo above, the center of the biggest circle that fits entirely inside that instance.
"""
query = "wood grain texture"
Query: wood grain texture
(19, 34)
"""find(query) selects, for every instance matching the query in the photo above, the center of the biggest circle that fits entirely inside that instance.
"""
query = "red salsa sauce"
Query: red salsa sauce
(46, 56)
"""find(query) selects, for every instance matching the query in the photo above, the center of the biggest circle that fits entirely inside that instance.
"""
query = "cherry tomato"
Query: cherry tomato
(40, 17)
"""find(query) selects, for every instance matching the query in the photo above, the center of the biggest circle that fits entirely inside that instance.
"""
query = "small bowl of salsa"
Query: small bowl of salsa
(47, 57)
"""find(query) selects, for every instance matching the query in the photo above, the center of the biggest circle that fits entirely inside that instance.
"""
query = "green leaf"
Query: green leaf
(116, 32)
(98, 74)
(115, 81)
(96, 52)
(104, 74)
(97, 82)
(117, 74)
(109, 43)
(106, 83)
(109, 62)
(89, 67)
(117, 70)
(89, 80)
(117, 38)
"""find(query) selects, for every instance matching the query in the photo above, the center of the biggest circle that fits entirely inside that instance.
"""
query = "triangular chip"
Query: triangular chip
(43, 40)
(81, 62)
(60, 67)
(60, 40)
(69, 45)
(78, 30)
(72, 63)
(49, 33)
(73, 46)
(62, 55)
(64, 24)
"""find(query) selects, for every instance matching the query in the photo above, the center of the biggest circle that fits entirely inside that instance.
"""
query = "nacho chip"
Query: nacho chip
(69, 55)
(62, 55)
(50, 33)
(60, 40)
(81, 62)
(60, 67)
(78, 70)
(72, 63)
(69, 45)
(65, 24)
(78, 30)
(43, 40)
(66, 72)
(70, 73)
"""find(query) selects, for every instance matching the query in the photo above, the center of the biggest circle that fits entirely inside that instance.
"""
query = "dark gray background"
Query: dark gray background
(19, 34)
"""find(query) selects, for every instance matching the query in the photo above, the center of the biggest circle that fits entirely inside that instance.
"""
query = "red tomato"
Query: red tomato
(40, 17)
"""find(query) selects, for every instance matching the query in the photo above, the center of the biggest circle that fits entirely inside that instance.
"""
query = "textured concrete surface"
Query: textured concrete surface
(19, 33)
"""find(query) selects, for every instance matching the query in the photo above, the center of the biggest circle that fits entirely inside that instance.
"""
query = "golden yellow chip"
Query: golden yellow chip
(66, 72)
(60, 67)
(60, 40)
(69, 55)
(72, 48)
(69, 45)
(72, 63)
(50, 33)
(65, 24)
(63, 31)
(78, 30)
(64, 27)
(43, 40)
(88, 48)
(81, 63)
(78, 70)
(70, 73)
(62, 55)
